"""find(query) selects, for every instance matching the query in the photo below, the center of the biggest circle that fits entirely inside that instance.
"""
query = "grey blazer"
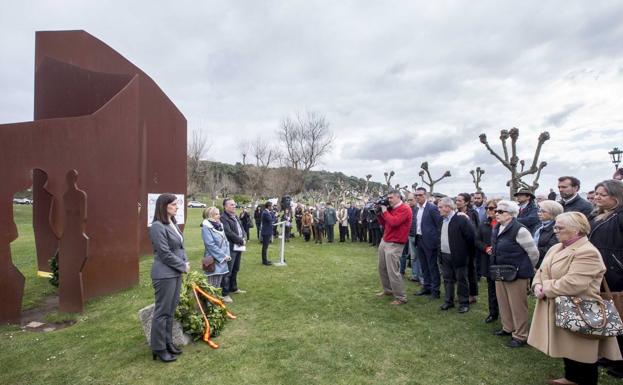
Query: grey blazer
(169, 254)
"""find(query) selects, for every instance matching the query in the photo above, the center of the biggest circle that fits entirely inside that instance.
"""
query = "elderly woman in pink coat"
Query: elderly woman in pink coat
(572, 267)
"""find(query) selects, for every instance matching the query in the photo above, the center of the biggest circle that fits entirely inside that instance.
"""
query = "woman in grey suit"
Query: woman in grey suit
(170, 262)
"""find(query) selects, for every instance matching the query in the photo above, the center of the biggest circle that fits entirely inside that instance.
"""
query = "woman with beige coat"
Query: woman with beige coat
(572, 267)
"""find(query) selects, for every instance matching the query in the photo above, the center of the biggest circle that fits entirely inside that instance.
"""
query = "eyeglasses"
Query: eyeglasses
(543, 211)
(558, 228)
(500, 211)
(491, 208)
(419, 195)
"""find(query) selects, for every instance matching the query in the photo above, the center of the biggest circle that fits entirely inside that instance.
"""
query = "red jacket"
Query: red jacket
(396, 223)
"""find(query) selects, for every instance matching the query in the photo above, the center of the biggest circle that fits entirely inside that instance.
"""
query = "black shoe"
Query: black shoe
(422, 292)
(446, 306)
(614, 373)
(164, 356)
(171, 348)
(463, 309)
(267, 263)
(502, 333)
(514, 343)
(490, 319)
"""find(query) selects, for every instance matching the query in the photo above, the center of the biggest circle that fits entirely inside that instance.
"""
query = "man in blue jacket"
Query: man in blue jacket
(427, 232)
(267, 231)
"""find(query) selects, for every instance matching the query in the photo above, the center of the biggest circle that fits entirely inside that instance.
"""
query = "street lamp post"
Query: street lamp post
(616, 157)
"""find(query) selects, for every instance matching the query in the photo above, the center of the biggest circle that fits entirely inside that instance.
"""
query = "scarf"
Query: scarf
(218, 226)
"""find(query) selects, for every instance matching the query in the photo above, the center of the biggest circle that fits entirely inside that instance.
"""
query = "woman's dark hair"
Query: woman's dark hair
(468, 199)
(160, 214)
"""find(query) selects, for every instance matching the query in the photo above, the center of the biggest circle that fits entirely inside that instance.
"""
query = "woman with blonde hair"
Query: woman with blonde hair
(216, 245)
(572, 267)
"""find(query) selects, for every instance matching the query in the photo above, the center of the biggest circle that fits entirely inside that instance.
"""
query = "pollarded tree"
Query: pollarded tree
(431, 183)
(512, 162)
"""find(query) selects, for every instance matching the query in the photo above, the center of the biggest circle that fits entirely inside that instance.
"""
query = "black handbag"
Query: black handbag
(504, 273)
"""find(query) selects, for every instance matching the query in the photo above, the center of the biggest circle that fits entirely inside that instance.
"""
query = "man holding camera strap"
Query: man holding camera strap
(396, 221)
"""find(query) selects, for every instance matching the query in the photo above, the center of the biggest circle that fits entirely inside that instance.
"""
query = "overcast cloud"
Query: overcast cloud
(400, 82)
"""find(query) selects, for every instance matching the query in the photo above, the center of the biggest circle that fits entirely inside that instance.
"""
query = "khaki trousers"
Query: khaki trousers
(389, 269)
(513, 303)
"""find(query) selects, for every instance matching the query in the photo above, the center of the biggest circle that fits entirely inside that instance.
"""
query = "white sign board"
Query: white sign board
(151, 208)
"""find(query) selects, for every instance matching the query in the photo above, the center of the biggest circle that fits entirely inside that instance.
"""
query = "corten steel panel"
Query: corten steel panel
(74, 246)
(97, 114)
(164, 124)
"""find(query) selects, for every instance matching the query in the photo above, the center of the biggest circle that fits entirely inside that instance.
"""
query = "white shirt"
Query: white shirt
(420, 212)
(445, 243)
(176, 230)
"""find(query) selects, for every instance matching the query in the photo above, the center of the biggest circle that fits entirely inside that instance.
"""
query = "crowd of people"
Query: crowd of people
(556, 248)
(553, 248)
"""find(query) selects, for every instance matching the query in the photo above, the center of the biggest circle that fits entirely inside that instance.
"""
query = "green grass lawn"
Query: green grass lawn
(315, 321)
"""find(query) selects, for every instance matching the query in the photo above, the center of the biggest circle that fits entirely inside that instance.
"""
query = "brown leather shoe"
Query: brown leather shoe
(560, 381)
(397, 302)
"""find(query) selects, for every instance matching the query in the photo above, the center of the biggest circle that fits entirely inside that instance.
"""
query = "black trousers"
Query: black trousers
(229, 283)
(375, 236)
(580, 373)
(494, 309)
(454, 275)
(343, 233)
(265, 243)
(354, 232)
(330, 234)
(258, 227)
(472, 277)
(363, 232)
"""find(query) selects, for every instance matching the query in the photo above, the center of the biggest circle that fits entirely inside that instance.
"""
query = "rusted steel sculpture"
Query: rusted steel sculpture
(104, 135)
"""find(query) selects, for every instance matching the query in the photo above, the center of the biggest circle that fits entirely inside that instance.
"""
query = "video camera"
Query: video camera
(380, 201)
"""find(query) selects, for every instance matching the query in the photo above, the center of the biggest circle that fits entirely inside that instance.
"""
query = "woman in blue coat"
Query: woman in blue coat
(215, 244)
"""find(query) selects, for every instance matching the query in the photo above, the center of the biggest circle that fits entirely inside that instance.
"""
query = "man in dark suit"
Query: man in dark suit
(330, 219)
(528, 210)
(568, 186)
(353, 218)
(456, 249)
(428, 223)
(236, 237)
(267, 231)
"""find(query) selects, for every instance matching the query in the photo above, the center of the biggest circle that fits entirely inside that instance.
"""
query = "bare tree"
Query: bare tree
(306, 139)
(197, 149)
(431, 183)
(511, 163)
(245, 147)
(477, 177)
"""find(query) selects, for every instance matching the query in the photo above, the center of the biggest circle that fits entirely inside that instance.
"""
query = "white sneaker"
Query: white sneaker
(227, 299)
(239, 291)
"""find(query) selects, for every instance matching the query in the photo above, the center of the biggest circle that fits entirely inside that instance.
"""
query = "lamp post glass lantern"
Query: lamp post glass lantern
(616, 157)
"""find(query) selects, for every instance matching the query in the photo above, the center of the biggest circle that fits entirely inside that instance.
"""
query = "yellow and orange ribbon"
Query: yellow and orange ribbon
(215, 301)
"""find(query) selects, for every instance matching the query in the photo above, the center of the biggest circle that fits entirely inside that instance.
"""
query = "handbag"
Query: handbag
(596, 318)
(505, 273)
(208, 264)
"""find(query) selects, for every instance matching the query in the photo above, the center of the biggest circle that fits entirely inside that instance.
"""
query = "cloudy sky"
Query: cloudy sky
(400, 82)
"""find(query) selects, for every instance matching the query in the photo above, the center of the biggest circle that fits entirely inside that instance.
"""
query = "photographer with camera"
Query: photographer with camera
(395, 217)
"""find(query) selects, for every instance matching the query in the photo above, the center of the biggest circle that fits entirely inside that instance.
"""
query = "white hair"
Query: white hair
(447, 202)
(511, 207)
